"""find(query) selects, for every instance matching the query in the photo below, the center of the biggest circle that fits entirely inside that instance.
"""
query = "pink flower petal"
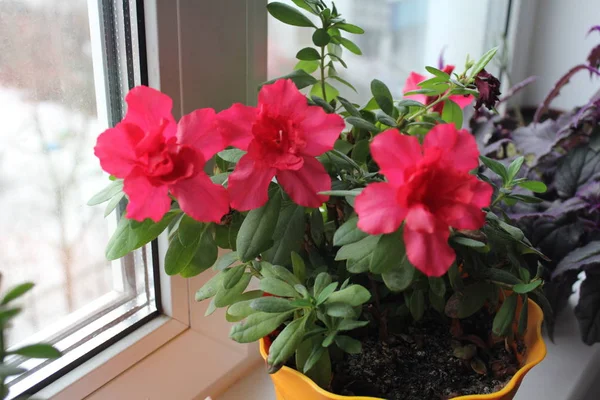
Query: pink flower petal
(304, 184)
(283, 98)
(377, 209)
(411, 84)
(462, 216)
(145, 199)
(248, 184)
(148, 108)
(394, 153)
(420, 219)
(201, 199)
(115, 148)
(321, 130)
(198, 130)
(429, 252)
(459, 146)
(462, 101)
(235, 124)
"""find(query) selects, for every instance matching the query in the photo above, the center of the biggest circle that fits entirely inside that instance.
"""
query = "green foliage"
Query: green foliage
(39, 350)
(256, 233)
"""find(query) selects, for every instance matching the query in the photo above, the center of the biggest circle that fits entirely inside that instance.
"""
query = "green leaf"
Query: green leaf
(288, 234)
(16, 292)
(8, 313)
(340, 310)
(300, 77)
(321, 38)
(233, 276)
(505, 316)
(496, 167)
(277, 287)
(417, 305)
(482, 62)
(288, 15)
(348, 233)
(210, 288)
(523, 288)
(388, 252)
(437, 286)
(285, 344)
(514, 167)
(131, 235)
(315, 355)
(231, 155)
(410, 103)
(226, 260)
(350, 324)
(360, 152)
(192, 249)
(399, 277)
(269, 270)
(350, 45)
(298, 266)
(308, 54)
(226, 297)
(321, 282)
(257, 326)
(110, 191)
(325, 293)
(468, 242)
(241, 308)
(9, 370)
(309, 67)
(303, 4)
(272, 305)
(362, 124)
(428, 92)
(342, 193)
(382, 96)
(348, 344)
(358, 254)
(438, 73)
(349, 107)
(354, 295)
(113, 203)
(454, 277)
(350, 28)
(501, 276)
(473, 298)
(345, 82)
(523, 198)
(452, 113)
(40, 350)
(522, 326)
(534, 186)
(256, 232)
(317, 227)
(437, 302)
(330, 91)
(386, 119)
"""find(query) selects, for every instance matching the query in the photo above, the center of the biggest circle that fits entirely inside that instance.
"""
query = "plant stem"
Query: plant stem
(383, 329)
(323, 73)
(430, 106)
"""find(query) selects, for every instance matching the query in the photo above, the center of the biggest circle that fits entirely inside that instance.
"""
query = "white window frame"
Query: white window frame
(182, 345)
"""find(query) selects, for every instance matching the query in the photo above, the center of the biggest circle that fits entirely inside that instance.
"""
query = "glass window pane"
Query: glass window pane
(59, 66)
(400, 36)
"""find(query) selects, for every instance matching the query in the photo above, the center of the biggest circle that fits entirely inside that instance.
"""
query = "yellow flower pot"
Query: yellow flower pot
(292, 385)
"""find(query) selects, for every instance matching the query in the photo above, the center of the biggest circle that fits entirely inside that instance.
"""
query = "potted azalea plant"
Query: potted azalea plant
(384, 263)
(562, 150)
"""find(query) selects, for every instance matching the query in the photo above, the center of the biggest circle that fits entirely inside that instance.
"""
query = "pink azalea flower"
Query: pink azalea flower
(414, 79)
(429, 188)
(282, 136)
(155, 156)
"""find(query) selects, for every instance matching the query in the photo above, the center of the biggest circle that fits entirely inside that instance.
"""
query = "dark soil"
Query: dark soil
(420, 364)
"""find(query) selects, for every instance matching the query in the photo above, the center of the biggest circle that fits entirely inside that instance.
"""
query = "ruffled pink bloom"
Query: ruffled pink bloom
(282, 136)
(412, 84)
(429, 188)
(155, 156)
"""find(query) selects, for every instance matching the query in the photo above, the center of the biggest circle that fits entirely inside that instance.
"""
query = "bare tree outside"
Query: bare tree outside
(47, 168)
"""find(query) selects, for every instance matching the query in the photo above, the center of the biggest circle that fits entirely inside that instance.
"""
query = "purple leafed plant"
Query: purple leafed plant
(563, 151)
